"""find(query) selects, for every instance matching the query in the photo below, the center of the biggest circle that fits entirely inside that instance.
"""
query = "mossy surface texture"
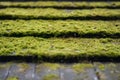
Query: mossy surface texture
(61, 31)
(81, 67)
(59, 47)
(39, 13)
(12, 78)
(55, 4)
(59, 28)
(51, 77)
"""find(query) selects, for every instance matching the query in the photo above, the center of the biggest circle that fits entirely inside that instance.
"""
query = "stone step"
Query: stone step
(56, 71)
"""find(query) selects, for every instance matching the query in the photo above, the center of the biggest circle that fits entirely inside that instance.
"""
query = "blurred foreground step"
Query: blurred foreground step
(56, 0)
(55, 14)
(59, 28)
(107, 71)
(62, 5)
(4, 70)
(21, 71)
(55, 71)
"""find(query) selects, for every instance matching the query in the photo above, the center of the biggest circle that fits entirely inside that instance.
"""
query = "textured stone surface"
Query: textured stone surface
(51, 71)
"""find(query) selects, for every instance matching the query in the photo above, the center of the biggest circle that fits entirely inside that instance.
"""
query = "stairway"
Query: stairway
(62, 32)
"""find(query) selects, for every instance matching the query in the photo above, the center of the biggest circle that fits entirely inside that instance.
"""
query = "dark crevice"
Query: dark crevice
(100, 34)
(58, 0)
(15, 17)
(59, 59)
(18, 58)
(62, 7)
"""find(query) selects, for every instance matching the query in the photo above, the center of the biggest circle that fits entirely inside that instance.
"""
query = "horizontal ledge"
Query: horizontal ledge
(12, 17)
(62, 7)
(59, 59)
(64, 35)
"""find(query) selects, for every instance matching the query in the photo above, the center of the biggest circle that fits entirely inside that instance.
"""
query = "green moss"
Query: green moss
(54, 4)
(111, 65)
(101, 67)
(39, 68)
(59, 28)
(5, 66)
(52, 66)
(12, 78)
(2, 66)
(81, 67)
(39, 13)
(23, 67)
(51, 77)
(72, 47)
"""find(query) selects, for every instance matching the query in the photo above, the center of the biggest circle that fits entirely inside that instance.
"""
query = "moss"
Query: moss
(39, 68)
(23, 67)
(81, 67)
(2, 66)
(12, 78)
(51, 77)
(52, 66)
(39, 13)
(62, 5)
(55, 29)
(6, 65)
(111, 65)
(74, 48)
(101, 67)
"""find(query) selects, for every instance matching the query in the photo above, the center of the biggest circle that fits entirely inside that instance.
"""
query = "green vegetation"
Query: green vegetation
(50, 30)
(101, 67)
(81, 67)
(39, 13)
(55, 48)
(56, 4)
(12, 78)
(51, 66)
(23, 67)
(59, 28)
(3, 66)
(111, 65)
(51, 77)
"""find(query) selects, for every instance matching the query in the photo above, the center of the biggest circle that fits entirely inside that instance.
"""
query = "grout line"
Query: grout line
(7, 73)
(95, 70)
(34, 71)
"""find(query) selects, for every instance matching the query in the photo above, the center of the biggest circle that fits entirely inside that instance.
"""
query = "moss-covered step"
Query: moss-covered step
(60, 49)
(39, 13)
(59, 28)
(61, 5)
